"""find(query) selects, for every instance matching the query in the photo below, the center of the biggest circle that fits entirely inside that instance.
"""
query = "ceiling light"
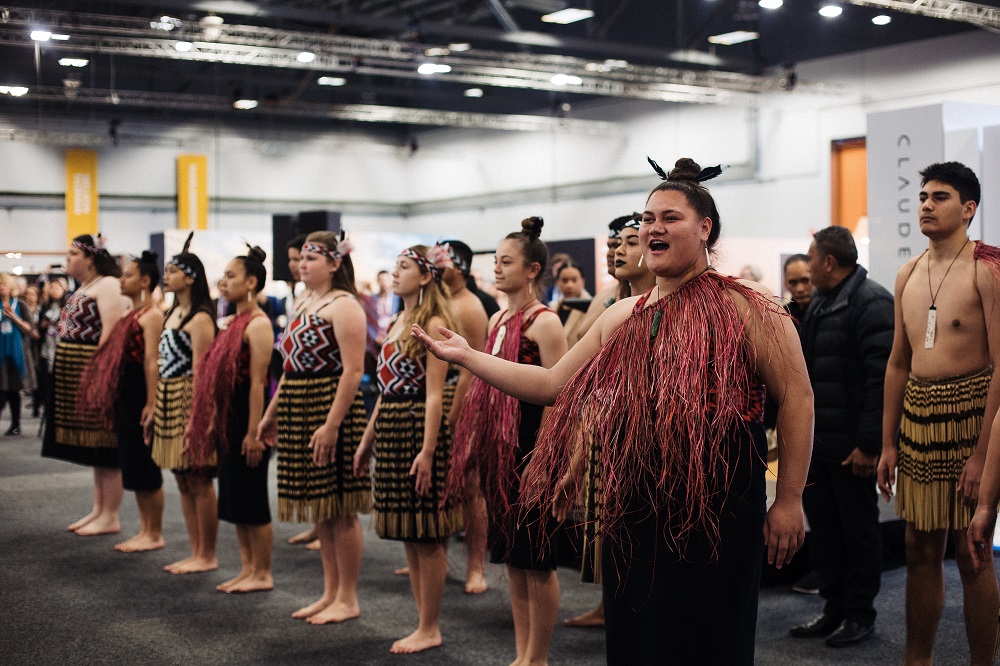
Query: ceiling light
(61, 38)
(306, 56)
(13, 255)
(17, 270)
(183, 47)
(13, 91)
(245, 104)
(331, 81)
(165, 23)
(831, 11)
(735, 37)
(566, 79)
(881, 19)
(436, 51)
(459, 47)
(568, 15)
(41, 35)
(74, 62)
(473, 92)
(770, 4)
(433, 68)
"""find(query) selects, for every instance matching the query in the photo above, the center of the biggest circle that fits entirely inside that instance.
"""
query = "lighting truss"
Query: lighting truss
(982, 16)
(354, 112)
(259, 46)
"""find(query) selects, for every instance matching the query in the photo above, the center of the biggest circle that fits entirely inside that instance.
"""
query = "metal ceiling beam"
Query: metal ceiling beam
(982, 16)
(343, 19)
(258, 46)
(353, 112)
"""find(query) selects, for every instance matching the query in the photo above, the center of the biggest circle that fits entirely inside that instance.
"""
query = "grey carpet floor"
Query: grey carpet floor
(66, 599)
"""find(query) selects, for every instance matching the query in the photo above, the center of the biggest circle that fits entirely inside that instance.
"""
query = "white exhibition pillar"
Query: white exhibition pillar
(900, 144)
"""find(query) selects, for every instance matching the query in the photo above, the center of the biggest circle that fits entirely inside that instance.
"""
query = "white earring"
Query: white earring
(143, 296)
(420, 298)
(708, 259)
(640, 259)
(249, 297)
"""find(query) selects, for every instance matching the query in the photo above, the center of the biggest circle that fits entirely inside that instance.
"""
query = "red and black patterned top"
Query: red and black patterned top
(399, 375)
(80, 320)
(310, 346)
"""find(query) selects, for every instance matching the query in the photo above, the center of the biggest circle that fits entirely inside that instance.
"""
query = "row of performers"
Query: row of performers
(138, 391)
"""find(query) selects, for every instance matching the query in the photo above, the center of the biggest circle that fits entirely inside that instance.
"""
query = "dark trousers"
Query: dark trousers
(12, 398)
(843, 516)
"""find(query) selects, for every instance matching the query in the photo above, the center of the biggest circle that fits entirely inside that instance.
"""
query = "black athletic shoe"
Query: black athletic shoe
(818, 627)
(13, 431)
(850, 633)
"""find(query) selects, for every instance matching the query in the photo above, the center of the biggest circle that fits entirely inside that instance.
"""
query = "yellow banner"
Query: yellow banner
(81, 193)
(192, 192)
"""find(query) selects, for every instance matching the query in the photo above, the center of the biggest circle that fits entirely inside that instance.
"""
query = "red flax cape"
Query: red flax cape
(98, 390)
(213, 391)
(486, 434)
(989, 255)
(661, 409)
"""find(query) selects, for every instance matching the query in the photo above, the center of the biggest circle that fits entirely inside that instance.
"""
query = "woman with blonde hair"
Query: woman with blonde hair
(411, 441)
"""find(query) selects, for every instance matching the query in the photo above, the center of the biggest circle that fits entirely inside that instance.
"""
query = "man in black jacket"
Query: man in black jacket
(846, 339)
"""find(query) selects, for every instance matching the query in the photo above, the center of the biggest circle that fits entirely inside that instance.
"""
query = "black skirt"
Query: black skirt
(139, 472)
(243, 497)
(699, 609)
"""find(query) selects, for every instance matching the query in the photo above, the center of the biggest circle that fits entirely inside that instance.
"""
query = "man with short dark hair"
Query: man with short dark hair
(941, 396)
(846, 338)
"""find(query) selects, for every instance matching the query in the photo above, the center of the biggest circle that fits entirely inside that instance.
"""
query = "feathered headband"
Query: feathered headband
(92, 250)
(435, 262)
(178, 260)
(456, 260)
(344, 248)
(708, 173)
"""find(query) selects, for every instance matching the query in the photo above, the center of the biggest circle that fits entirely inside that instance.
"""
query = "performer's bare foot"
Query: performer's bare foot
(405, 571)
(73, 527)
(334, 613)
(475, 583)
(253, 583)
(304, 537)
(179, 563)
(140, 543)
(418, 641)
(195, 565)
(590, 619)
(312, 609)
(313, 545)
(225, 587)
(100, 525)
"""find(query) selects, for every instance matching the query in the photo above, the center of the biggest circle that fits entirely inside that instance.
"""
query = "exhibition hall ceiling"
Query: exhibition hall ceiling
(504, 64)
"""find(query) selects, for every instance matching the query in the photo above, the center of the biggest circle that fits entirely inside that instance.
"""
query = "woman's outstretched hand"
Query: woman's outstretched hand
(453, 348)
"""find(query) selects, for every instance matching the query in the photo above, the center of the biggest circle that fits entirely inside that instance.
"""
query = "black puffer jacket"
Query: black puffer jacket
(846, 338)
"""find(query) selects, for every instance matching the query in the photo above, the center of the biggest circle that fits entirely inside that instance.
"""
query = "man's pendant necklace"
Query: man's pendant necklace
(931, 332)
(655, 328)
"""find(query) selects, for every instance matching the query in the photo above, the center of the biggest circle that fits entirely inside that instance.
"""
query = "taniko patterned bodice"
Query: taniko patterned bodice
(176, 356)
(80, 320)
(399, 375)
(309, 345)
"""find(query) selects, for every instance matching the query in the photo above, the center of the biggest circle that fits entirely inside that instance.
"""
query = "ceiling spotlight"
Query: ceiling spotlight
(61, 38)
(331, 81)
(473, 92)
(13, 91)
(245, 104)
(306, 56)
(183, 47)
(211, 26)
(881, 19)
(831, 11)
(41, 35)
(566, 80)
(770, 4)
(74, 62)
(165, 23)
(459, 47)
(436, 51)
(433, 68)
(568, 15)
(735, 37)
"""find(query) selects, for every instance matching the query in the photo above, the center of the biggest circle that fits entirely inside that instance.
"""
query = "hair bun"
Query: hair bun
(148, 257)
(685, 169)
(532, 226)
(257, 254)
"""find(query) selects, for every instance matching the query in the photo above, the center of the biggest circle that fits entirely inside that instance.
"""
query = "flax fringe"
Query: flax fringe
(172, 409)
(942, 421)
(74, 428)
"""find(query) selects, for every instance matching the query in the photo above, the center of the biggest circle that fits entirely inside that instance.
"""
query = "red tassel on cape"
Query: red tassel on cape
(662, 409)
(213, 391)
(98, 390)
(989, 255)
(486, 434)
